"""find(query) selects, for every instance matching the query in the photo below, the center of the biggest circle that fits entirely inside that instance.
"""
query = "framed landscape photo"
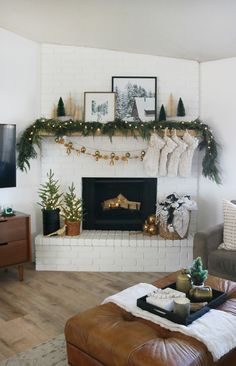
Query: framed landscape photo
(135, 97)
(99, 106)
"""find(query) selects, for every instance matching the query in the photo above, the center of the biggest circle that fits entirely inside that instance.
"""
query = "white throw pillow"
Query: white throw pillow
(229, 235)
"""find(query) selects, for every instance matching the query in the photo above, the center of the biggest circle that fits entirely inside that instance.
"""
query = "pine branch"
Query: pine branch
(31, 137)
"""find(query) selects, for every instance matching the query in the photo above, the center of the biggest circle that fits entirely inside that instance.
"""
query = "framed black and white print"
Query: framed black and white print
(135, 97)
(99, 106)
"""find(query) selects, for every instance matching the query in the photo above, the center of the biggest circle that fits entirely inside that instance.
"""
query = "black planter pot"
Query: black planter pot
(51, 221)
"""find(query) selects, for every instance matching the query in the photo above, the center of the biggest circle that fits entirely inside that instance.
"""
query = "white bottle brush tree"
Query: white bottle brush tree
(72, 208)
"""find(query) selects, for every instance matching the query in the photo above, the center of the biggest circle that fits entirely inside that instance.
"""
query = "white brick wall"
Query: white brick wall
(112, 251)
(68, 69)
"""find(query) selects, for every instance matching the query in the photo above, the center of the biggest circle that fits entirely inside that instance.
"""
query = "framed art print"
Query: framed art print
(135, 97)
(99, 106)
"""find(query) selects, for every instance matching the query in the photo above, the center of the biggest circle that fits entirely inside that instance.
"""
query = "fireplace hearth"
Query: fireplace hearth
(118, 203)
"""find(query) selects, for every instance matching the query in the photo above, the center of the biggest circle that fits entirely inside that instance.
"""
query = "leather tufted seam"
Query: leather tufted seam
(138, 347)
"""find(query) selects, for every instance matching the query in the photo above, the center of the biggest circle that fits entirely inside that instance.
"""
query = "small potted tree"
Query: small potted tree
(50, 203)
(72, 211)
(198, 274)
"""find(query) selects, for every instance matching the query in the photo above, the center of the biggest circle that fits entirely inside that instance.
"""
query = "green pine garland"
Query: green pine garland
(32, 136)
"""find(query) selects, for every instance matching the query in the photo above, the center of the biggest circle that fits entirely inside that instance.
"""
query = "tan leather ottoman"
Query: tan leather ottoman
(108, 335)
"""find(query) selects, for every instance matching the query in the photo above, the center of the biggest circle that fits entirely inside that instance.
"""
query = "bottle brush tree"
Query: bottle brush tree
(61, 108)
(162, 114)
(50, 193)
(72, 208)
(180, 108)
(198, 274)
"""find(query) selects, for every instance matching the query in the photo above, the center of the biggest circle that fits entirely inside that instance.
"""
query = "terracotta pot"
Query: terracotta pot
(72, 228)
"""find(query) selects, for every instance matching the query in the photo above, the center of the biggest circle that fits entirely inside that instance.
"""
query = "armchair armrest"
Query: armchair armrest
(205, 242)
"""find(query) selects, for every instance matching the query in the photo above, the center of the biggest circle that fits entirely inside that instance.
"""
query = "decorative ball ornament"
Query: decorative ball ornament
(152, 229)
(145, 227)
(113, 155)
(97, 153)
(127, 155)
(83, 149)
(151, 220)
(60, 140)
(143, 153)
(150, 225)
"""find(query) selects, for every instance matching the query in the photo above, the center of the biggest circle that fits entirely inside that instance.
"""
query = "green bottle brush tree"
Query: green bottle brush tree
(198, 274)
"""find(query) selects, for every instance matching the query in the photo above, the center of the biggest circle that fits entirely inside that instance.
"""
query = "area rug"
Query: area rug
(51, 353)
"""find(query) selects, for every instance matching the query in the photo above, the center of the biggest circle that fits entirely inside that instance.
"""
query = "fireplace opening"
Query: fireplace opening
(118, 203)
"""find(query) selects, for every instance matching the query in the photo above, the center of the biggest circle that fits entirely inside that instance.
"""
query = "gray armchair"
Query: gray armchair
(220, 262)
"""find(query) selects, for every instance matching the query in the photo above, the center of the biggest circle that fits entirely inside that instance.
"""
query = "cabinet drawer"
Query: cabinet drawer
(13, 253)
(11, 230)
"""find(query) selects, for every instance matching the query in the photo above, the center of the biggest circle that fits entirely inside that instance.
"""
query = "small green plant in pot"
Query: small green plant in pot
(198, 274)
(51, 200)
(72, 211)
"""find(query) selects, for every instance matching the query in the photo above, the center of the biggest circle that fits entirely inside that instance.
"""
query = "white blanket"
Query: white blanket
(216, 329)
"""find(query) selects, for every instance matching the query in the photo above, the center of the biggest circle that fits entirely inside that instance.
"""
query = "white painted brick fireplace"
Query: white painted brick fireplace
(75, 70)
(111, 250)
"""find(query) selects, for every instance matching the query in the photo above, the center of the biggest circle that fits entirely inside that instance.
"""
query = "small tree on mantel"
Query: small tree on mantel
(180, 108)
(61, 108)
(162, 114)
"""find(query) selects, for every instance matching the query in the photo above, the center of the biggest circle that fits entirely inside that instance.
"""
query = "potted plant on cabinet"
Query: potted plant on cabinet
(72, 211)
(50, 203)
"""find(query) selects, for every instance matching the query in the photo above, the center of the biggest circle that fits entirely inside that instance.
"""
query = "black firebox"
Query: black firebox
(118, 203)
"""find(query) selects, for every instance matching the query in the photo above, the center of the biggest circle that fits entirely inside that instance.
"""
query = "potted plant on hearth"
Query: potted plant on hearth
(50, 203)
(72, 211)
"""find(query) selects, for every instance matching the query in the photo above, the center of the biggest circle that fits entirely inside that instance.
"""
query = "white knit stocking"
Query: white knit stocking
(151, 158)
(173, 163)
(185, 163)
(167, 149)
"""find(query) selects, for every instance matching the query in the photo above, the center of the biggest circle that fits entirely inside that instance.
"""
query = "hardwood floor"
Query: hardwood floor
(36, 309)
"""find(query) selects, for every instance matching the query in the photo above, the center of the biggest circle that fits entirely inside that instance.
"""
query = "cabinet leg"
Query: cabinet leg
(21, 272)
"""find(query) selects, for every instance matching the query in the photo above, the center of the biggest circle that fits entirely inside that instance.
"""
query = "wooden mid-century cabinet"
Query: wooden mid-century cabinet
(15, 241)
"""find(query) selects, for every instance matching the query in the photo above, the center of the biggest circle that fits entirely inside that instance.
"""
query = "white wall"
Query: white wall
(20, 104)
(68, 69)
(218, 109)
(74, 70)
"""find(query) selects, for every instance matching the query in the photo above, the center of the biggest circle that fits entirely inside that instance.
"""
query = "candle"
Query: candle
(182, 307)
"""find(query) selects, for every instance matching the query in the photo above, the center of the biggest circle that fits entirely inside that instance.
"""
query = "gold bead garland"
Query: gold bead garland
(98, 155)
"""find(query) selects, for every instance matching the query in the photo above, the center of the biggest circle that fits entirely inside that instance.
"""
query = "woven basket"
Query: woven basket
(171, 235)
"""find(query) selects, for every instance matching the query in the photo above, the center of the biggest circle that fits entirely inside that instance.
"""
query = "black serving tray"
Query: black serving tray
(218, 297)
